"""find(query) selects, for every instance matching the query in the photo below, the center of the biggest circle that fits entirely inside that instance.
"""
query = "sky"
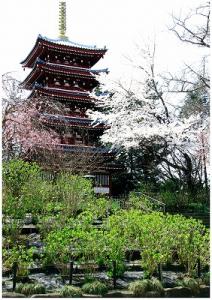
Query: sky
(118, 24)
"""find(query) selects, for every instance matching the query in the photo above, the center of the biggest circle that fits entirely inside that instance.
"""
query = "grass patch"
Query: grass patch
(95, 288)
(71, 291)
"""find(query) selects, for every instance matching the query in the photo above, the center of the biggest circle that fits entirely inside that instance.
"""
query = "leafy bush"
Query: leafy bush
(95, 288)
(190, 238)
(35, 194)
(198, 207)
(140, 202)
(99, 207)
(154, 233)
(19, 254)
(176, 196)
(74, 191)
(24, 190)
(71, 291)
(57, 249)
(157, 235)
(84, 238)
(16, 173)
(30, 289)
(12, 229)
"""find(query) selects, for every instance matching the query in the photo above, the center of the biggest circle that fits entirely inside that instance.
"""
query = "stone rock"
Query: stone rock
(178, 292)
(35, 244)
(120, 283)
(152, 294)
(91, 296)
(12, 295)
(50, 295)
(119, 294)
(133, 275)
(204, 291)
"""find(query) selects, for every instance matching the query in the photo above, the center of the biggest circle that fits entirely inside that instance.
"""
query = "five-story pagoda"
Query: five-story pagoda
(62, 71)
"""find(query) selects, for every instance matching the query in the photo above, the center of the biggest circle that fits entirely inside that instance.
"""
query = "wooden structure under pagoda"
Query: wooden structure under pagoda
(62, 71)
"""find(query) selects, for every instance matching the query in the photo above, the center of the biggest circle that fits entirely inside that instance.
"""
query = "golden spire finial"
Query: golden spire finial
(62, 20)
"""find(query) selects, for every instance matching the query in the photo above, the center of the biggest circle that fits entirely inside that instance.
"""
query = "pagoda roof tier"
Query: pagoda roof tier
(84, 149)
(41, 68)
(71, 121)
(70, 67)
(44, 44)
(75, 94)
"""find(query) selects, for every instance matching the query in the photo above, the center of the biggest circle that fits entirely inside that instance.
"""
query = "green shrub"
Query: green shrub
(19, 254)
(24, 189)
(30, 289)
(16, 173)
(71, 291)
(95, 288)
(141, 287)
(74, 191)
(198, 207)
(140, 202)
(35, 194)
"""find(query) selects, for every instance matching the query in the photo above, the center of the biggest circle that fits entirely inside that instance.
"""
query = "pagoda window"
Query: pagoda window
(102, 180)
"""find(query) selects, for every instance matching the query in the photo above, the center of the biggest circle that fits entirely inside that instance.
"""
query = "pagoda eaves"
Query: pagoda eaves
(73, 95)
(72, 121)
(41, 68)
(45, 45)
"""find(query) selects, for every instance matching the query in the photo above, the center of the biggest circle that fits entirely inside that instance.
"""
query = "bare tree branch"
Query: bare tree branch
(187, 32)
